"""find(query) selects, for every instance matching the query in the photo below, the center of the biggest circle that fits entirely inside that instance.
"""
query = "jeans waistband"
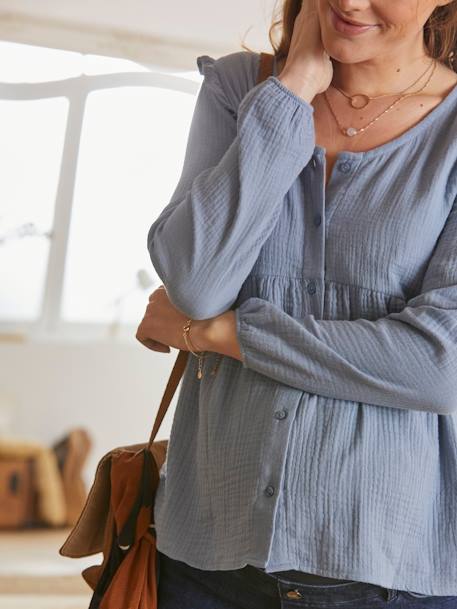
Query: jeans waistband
(303, 577)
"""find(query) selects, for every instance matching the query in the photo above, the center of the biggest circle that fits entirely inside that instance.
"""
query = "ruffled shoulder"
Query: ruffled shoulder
(205, 65)
(230, 76)
(208, 69)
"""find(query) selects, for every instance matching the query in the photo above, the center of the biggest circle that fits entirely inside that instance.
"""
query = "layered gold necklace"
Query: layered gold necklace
(360, 100)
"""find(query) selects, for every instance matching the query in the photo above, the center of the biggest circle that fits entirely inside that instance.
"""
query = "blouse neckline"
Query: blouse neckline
(409, 134)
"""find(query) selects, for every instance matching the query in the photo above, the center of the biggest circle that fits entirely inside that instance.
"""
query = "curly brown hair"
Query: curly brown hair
(440, 31)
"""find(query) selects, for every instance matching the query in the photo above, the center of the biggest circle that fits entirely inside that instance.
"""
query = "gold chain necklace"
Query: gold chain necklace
(351, 131)
(363, 96)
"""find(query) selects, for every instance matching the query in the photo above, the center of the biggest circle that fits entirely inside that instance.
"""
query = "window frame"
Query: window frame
(50, 325)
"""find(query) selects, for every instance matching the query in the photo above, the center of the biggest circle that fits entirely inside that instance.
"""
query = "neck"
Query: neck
(389, 76)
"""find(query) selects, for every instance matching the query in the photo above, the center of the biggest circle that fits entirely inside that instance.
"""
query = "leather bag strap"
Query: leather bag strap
(265, 67)
(173, 382)
(265, 70)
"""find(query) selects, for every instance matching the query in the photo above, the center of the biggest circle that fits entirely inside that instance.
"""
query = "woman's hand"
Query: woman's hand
(308, 63)
(162, 326)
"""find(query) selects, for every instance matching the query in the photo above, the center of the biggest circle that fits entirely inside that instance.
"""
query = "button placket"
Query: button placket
(316, 236)
(346, 164)
(270, 475)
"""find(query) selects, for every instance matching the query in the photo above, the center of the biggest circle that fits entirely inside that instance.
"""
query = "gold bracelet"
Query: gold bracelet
(186, 334)
(201, 354)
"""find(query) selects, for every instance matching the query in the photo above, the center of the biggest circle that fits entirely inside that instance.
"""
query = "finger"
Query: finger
(158, 347)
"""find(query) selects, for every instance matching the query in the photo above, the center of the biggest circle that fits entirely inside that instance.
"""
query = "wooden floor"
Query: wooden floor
(33, 575)
(24, 601)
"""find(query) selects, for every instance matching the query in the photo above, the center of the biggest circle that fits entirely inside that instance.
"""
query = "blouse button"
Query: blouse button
(281, 414)
(317, 219)
(345, 166)
(270, 490)
(311, 287)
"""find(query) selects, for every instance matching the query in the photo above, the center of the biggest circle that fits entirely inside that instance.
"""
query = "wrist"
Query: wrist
(222, 335)
(218, 334)
(199, 334)
(300, 85)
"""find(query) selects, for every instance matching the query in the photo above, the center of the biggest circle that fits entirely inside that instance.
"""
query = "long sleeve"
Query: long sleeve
(239, 165)
(407, 359)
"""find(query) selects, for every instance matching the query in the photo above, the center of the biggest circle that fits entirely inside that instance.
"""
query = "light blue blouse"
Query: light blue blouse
(332, 447)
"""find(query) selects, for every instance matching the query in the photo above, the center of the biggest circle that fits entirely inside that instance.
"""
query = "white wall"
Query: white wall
(160, 33)
(113, 389)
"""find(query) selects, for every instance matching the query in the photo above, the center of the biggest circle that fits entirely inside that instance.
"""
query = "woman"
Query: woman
(309, 260)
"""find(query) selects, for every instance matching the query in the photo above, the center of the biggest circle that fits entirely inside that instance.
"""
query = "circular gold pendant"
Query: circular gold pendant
(359, 101)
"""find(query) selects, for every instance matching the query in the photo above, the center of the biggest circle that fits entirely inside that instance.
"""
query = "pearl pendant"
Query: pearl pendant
(351, 131)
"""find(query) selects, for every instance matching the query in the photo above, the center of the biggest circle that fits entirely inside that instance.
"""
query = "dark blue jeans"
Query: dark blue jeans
(181, 586)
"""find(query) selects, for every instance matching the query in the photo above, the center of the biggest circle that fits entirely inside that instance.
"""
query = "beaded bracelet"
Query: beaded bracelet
(200, 354)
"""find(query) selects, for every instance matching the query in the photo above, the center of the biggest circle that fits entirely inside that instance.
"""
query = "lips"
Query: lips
(356, 23)
(346, 28)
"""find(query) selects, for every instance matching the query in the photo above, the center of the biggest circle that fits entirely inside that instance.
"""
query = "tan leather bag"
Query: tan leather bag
(118, 516)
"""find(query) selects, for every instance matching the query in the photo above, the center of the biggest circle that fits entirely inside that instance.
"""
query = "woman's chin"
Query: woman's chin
(341, 52)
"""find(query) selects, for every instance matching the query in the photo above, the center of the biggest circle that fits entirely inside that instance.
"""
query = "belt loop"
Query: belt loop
(391, 594)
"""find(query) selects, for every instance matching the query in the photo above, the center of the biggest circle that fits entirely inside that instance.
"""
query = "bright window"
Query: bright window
(130, 159)
(30, 156)
(91, 150)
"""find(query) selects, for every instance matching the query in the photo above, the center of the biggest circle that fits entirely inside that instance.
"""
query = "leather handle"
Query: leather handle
(173, 382)
(265, 70)
(265, 67)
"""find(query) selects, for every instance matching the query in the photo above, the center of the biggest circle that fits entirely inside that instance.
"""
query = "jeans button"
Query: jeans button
(293, 594)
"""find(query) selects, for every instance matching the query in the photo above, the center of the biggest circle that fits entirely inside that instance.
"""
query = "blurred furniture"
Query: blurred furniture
(71, 453)
(18, 497)
(40, 485)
